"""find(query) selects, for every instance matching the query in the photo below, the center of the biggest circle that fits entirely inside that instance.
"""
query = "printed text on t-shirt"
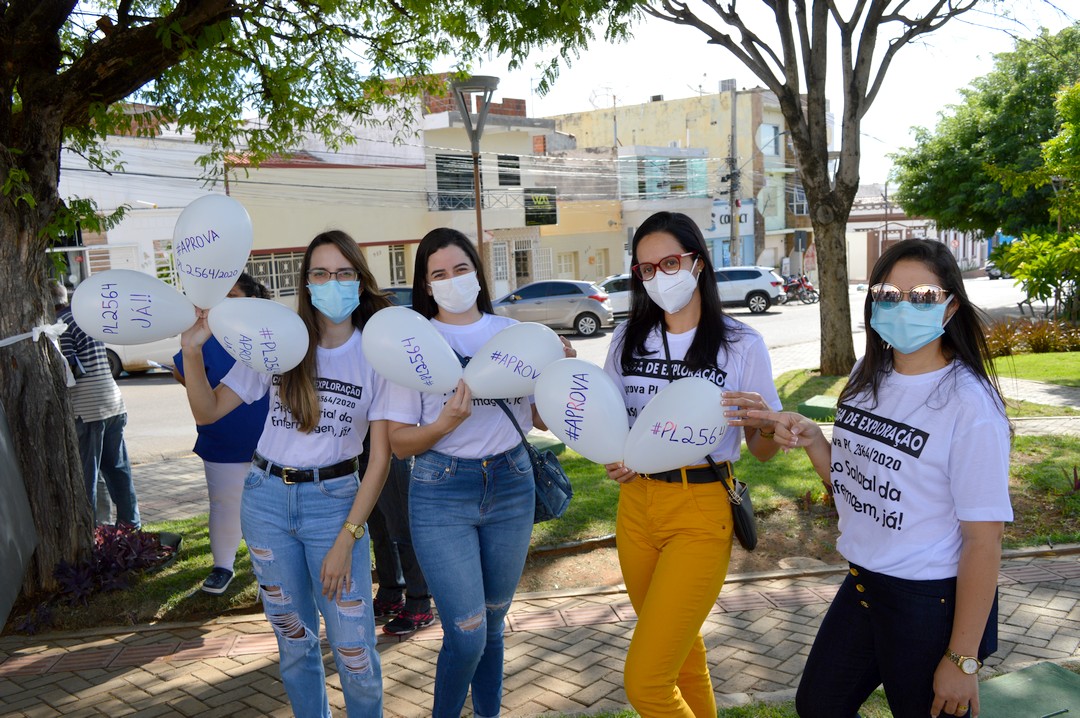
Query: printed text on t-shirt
(899, 436)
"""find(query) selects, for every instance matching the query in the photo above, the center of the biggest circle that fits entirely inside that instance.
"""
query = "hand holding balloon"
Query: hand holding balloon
(198, 333)
(618, 473)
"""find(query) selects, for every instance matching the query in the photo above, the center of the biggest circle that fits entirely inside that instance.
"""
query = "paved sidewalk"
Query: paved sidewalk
(564, 650)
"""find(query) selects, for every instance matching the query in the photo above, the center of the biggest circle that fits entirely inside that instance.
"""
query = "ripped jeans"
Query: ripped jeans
(289, 528)
(471, 522)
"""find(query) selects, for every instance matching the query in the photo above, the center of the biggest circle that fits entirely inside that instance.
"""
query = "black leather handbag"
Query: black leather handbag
(742, 510)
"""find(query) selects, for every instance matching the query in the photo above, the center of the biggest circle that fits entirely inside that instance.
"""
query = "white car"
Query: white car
(137, 358)
(617, 287)
(756, 288)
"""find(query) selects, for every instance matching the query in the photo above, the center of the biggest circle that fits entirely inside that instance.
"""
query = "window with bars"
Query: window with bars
(509, 171)
(278, 272)
(454, 181)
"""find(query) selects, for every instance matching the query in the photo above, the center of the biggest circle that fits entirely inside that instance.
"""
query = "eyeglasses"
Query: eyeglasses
(668, 265)
(322, 276)
(922, 296)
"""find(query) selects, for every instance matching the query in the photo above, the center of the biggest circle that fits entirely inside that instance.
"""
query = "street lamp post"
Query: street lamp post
(483, 85)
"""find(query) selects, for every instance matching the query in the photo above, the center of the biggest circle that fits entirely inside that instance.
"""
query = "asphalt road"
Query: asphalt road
(160, 424)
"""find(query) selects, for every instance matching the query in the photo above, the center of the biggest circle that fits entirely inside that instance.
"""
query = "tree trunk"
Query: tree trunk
(837, 348)
(35, 399)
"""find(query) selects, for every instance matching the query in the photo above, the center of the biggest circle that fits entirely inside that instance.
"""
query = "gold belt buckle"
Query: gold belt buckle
(285, 475)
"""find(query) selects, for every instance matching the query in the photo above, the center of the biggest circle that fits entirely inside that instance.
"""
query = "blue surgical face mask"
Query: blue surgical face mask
(906, 328)
(336, 300)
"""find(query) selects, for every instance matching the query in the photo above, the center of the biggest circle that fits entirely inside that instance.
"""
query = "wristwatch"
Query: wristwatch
(357, 530)
(967, 664)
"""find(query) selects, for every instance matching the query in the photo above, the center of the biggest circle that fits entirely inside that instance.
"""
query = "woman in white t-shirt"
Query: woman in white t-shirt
(918, 467)
(471, 498)
(674, 528)
(304, 504)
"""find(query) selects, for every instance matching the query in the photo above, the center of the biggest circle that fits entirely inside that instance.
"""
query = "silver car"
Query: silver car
(617, 287)
(559, 304)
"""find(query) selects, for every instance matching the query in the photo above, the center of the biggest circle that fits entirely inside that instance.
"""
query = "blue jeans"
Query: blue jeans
(882, 630)
(471, 522)
(289, 529)
(103, 451)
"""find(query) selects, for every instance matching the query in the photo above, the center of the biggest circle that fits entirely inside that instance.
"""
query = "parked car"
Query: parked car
(994, 272)
(756, 288)
(559, 304)
(400, 296)
(617, 287)
(138, 358)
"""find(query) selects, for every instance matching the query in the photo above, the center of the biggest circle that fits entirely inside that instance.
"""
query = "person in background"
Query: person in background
(472, 496)
(674, 529)
(919, 469)
(403, 592)
(100, 416)
(226, 448)
(305, 502)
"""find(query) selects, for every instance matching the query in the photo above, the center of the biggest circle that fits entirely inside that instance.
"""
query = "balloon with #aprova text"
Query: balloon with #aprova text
(680, 426)
(508, 365)
(403, 347)
(211, 243)
(261, 334)
(123, 306)
(582, 406)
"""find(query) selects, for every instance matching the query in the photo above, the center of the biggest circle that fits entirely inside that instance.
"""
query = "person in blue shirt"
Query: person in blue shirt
(226, 448)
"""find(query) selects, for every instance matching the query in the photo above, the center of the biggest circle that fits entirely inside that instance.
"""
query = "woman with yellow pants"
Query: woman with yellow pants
(674, 529)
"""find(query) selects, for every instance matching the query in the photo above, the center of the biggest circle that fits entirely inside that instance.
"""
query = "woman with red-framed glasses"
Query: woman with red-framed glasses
(674, 529)
(919, 468)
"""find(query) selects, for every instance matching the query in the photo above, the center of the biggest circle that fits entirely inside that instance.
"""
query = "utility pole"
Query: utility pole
(733, 186)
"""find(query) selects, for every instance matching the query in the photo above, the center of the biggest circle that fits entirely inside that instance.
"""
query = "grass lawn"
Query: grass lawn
(1054, 367)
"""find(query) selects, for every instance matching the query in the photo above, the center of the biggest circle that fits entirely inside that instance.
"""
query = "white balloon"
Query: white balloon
(679, 427)
(122, 306)
(582, 406)
(403, 347)
(261, 334)
(509, 363)
(211, 242)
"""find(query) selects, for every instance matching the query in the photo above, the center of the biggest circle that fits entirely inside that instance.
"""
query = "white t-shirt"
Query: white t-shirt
(934, 451)
(351, 395)
(488, 430)
(743, 366)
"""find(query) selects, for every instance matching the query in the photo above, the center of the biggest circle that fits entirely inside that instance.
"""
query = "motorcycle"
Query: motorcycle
(798, 286)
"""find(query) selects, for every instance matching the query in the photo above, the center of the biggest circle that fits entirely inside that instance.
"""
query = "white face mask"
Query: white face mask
(671, 292)
(456, 295)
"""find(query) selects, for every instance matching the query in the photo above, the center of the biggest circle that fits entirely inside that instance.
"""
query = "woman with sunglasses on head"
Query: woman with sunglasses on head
(674, 529)
(471, 499)
(305, 503)
(918, 467)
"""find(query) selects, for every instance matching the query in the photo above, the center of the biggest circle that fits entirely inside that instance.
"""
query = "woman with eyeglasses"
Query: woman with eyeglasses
(305, 502)
(918, 466)
(674, 529)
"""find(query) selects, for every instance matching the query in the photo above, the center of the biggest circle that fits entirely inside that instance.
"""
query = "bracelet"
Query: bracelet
(766, 435)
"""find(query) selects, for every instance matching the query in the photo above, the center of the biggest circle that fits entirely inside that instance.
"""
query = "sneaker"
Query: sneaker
(408, 622)
(218, 580)
(385, 608)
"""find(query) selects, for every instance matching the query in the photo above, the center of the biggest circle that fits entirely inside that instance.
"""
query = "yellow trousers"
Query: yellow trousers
(674, 543)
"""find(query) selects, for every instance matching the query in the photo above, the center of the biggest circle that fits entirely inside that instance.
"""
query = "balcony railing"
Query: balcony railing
(454, 200)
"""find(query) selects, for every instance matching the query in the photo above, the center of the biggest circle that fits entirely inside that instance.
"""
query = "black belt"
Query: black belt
(702, 474)
(299, 476)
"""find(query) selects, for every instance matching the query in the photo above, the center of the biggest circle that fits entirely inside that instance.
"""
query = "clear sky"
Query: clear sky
(664, 59)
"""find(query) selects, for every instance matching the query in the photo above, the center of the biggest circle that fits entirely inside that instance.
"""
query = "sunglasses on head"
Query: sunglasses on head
(922, 296)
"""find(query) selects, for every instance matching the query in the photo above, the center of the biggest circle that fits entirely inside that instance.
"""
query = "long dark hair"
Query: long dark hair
(965, 334)
(645, 315)
(298, 384)
(433, 241)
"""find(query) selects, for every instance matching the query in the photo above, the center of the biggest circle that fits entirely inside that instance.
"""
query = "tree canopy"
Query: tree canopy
(957, 173)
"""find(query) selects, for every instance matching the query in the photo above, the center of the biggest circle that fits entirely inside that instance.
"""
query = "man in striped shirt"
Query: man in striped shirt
(100, 415)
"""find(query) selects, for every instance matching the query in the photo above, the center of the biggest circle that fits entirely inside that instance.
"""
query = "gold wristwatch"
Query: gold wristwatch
(967, 664)
(357, 530)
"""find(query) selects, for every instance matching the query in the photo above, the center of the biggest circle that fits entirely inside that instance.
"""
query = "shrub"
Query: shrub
(1003, 337)
(1043, 336)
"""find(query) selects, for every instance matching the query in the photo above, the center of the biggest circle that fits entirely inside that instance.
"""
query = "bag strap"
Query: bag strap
(501, 402)
(733, 495)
